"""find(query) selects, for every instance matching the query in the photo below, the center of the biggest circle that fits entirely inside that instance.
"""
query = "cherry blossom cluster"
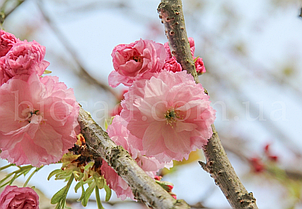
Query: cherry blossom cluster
(19, 197)
(38, 122)
(164, 115)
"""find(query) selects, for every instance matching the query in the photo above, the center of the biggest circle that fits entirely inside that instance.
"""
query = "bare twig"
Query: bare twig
(143, 187)
(217, 165)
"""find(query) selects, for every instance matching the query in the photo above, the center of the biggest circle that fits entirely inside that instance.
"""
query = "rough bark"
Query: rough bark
(143, 187)
(218, 164)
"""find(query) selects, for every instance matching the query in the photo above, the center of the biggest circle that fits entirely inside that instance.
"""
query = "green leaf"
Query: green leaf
(108, 192)
(61, 205)
(88, 193)
(98, 198)
(83, 194)
(63, 175)
(59, 195)
(108, 122)
(26, 169)
(55, 172)
(100, 181)
(47, 72)
(78, 185)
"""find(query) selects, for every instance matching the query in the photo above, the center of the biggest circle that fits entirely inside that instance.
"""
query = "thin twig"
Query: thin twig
(217, 165)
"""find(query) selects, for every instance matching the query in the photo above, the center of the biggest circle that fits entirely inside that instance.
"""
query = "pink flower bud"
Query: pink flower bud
(25, 58)
(257, 164)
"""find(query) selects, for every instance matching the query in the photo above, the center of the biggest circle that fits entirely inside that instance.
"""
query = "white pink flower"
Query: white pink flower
(23, 59)
(170, 113)
(199, 65)
(135, 61)
(118, 132)
(19, 198)
(172, 65)
(7, 41)
(38, 122)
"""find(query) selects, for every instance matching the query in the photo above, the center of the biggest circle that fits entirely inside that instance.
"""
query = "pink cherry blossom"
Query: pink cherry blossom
(19, 198)
(168, 51)
(3, 76)
(135, 61)
(7, 41)
(118, 132)
(171, 66)
(118, 108)
(170, 113)
(192, 45)
(25, 58)
(199, 66)
(38, 122)
(115, 182)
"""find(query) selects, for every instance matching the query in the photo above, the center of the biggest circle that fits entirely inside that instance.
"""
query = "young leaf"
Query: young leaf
(100, 181)
(78, 185)
(98, 198)
(54, 172)
(59, 195)
(108, 192)
(88, 194)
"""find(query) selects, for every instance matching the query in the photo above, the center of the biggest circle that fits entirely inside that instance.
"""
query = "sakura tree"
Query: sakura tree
(164, 115)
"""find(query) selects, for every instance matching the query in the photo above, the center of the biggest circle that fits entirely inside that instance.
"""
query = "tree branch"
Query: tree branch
(143, 187)
(170, 12)
(218, 164)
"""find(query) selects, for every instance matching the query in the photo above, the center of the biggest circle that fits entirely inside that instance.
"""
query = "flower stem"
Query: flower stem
(7, 166)
(31, 175)
(69, 184)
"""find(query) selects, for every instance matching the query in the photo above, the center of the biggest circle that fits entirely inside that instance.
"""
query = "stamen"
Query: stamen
(171, 116)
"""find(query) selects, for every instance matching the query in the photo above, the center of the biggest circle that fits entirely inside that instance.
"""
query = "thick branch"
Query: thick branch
(170, 12)
(143, 187)
(218, 164)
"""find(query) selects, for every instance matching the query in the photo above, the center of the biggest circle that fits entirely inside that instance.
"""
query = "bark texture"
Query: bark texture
(171, 15)
(218, 164)
(143, 187)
